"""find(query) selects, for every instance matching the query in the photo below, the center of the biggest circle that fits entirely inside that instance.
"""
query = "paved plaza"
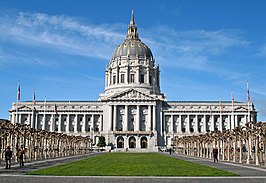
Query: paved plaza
(247, 173)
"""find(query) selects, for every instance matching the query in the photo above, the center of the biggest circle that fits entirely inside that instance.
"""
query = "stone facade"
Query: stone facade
(132, 113)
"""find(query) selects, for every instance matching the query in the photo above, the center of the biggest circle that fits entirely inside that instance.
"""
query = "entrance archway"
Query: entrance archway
(143, 142)
(132, 142)
(120, 142)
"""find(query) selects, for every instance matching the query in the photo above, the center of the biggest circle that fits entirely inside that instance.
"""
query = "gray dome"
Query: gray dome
(132, 48)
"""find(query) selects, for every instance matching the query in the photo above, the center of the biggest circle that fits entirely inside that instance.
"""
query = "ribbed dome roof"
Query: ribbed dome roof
(132, 48)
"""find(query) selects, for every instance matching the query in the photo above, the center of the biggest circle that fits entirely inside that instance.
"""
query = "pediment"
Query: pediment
(240, 109)
(131, 94)
(24, 107)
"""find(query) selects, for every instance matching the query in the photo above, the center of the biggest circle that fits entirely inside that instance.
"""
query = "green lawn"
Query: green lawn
(131, 164)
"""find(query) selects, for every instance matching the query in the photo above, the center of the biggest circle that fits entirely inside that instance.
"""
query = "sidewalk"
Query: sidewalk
(237, 168)
(35, 165)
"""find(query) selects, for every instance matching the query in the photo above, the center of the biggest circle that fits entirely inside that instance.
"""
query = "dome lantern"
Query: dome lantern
(132, 32)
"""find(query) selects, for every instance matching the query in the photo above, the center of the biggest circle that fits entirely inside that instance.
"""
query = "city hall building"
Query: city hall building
(132, 112)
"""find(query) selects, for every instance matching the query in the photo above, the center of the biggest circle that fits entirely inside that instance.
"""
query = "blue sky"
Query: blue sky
(205, 48)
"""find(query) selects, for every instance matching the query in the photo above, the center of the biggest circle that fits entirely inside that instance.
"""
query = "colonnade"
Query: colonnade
(40, 144)
(203, 123)
(132, 117)
(244, 144)
(61, 122)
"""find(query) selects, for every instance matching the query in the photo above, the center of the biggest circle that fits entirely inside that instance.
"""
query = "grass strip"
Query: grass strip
(131, 164)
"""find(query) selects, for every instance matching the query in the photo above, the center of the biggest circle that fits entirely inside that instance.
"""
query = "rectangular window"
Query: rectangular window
(122, 78)
(142, 78)
(114, 78)
(132, 77)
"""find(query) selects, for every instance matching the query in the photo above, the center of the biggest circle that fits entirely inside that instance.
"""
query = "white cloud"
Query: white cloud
(199, 50)
(194, 49)
(62, 33)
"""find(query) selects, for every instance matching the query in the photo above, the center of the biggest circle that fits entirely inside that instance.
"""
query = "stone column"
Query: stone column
(126, 119)
(137, 76)
(172, 124)
(110, 78)
(106, 78)
(196, 124)
(60, 123)
(154, 118)
(84, 123)
(180, 123)
(13, 118)
(36, 121)
(32, 120)
(115, 118)
(212, 123)
(204, 123)
(137, 118)
(68, 123)
(232, 122)
(228, 122)
(126, 75)
(92, 123)
(188, 124)
(110, 118)
(221, 123)
(101, 123)
(52, 123)
(148, 76)
(44, 121)
(76, 124)
(236, 121)
(150, 120)
(19, 118)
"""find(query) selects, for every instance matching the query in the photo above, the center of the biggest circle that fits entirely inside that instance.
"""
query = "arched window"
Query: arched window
(120, 142)
(132, 142)
(143, 142)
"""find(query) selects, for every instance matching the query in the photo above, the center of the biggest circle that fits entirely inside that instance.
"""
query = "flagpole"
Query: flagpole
(54, 118)
(248, 96)
(44, 117)
(233, 103)
(221, 117)
(18, 99)
(33, 107)
(211, 123)
(16, 113)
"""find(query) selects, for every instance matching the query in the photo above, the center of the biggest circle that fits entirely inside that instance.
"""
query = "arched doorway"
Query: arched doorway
(143, 142)
(132, 142)
(120, 142)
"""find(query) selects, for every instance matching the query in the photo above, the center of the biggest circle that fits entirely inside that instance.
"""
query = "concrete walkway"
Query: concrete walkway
(248, 173)
(237, 168)
(36, 165)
